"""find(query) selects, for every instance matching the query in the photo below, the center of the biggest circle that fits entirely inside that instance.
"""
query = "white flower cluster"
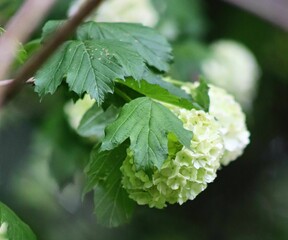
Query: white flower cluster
(3, 231)
(231, 118)
(140, 11)
(233, 127)
(186, 172)
(233, 67)
(219, 137)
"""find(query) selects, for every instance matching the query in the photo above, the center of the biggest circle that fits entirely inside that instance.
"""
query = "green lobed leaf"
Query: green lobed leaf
(90, 66)
(158, 80)
(50, 28)
(7, 9)
(201, 94)
(50, 76)
(147, 42)
(67, 153)
(189, 56)
(178, 14)
(32, 47)
(95, 121)
(146, 123)
(21, 54)
(102, 53)
(113, 207)
(16, 228)
(113, 99)
(154, 87)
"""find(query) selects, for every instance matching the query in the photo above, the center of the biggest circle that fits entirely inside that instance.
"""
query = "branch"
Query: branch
(4, 83)
(274, 11)
(7, 82)
(18, 30)
(36, 61)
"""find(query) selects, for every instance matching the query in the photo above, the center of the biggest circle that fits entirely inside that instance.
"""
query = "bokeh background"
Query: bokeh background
(41, 156)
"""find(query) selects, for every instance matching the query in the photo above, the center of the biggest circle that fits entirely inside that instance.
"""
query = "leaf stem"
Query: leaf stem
(123, 95)
(175, 82)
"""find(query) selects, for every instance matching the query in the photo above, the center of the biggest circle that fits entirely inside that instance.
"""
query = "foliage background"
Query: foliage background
(248, 200)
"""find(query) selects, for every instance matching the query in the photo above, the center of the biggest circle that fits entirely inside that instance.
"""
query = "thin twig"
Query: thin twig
(33, 64)
(18, 30)
(9, 81)
(5, 82)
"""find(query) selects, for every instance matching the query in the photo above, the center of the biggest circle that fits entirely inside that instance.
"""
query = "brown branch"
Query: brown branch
(19, 28)
(7, 82)
(275, 11)
(33, 64)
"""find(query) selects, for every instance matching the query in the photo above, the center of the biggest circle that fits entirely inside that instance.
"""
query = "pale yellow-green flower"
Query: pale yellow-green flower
(231, 118)
(233, 123)
(186, 172)
(233, 67)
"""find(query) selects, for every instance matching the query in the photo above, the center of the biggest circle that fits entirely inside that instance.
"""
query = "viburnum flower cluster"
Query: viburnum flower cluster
(233, 127)
(186, 172)
(219, 137)
(233, 67)
(229, 114)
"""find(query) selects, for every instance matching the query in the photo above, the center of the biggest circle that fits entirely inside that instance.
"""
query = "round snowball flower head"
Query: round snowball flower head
(231, 119)
(233, 67)
(186, 172)
(140, 11)
(233, 123)
(75, 111)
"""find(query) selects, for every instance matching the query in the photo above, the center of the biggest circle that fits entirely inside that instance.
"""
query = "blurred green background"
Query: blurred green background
(248, 199)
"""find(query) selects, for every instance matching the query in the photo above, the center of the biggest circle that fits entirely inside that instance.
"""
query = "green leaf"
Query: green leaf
(67, 152)
(188, 59)
(50, 28)
(95, 121)
(8, 8)
(181, 17)
(21, 54)
(201, 94)
(90, 66)
(16, 229)
(147, 42)
(147, 124)
(32, 47)
(49, 77)
(154, 87)
(113, 207)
